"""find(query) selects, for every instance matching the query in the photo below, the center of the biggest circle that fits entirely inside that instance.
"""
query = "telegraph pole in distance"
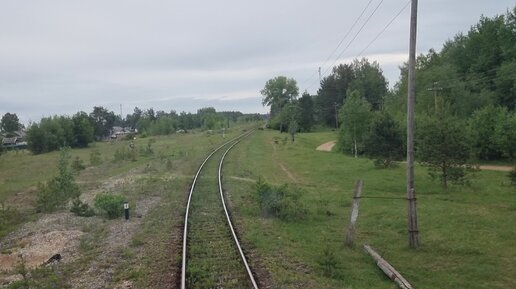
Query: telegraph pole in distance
(435, 89)
(411, 99)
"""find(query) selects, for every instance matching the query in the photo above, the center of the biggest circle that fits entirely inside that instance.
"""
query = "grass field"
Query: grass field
(468, 236)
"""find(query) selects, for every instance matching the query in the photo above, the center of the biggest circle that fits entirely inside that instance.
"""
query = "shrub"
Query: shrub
(512, 176)
(110, 205)
(81, 209)
(78, 164)
(95, 157)
(281, 202)
(124, 153)
(55, 193)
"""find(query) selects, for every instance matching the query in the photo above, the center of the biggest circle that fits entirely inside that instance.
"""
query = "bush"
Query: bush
(281, 202)
(78, 164)
(55, 193)
(81, 209)
(110, 205)
(512, 176)
(95, 157)
(124, 153)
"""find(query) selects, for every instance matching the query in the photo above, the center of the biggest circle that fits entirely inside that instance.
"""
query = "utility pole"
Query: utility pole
(319, 74)
(411, 99)
(435, 89)
(336, 116)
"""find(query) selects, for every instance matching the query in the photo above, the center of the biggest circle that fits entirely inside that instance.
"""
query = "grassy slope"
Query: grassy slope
(467, 233)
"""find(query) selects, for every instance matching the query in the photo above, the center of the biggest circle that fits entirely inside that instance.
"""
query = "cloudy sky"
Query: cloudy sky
(60, 57)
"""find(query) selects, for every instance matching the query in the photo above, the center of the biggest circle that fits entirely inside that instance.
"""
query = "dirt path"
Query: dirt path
(283, 167)
(496, 168)
(326, 147)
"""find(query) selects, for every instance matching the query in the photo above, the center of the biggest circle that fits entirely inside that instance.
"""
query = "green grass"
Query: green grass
(467, 233)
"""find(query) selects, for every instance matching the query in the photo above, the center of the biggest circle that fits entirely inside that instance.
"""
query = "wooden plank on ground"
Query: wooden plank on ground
(388, 269)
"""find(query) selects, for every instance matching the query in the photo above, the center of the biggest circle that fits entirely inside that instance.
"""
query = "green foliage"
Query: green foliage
(442, 144)
(78, 164)
(385, 142)
(125, 153)
(81, 209)
(9, 124)
(279, 92)
(55, 193)
(306, 112)
(9, 217)
(40, 278)
(110, 205)
(329, 263)
(512, 176)
(52, 133)
(102, 121)
(483, 132)
(355, 116)
(95, 157)
(282, 202)
(147, 150)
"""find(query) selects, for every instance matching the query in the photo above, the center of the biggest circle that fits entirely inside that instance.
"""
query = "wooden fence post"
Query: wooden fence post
(388, 269)
(354, 212)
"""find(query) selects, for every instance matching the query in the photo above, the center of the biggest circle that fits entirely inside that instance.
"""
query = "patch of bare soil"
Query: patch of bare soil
(496, 168)
(327, 147)
(36, 242)
(100, 271)
(62, 233)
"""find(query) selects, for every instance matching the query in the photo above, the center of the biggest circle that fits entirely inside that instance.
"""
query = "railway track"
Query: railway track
(212, 255)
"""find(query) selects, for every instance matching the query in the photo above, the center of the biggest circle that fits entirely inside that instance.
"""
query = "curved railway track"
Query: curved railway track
(212, 254)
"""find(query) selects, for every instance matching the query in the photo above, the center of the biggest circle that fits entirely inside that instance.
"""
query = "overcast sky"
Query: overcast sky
(60, 57)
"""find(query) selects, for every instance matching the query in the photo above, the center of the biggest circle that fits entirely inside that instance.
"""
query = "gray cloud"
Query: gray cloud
(58, 57)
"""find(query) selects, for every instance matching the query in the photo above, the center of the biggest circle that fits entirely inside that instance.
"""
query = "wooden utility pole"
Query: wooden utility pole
(411, 99)
(354, 212)
(435, 89)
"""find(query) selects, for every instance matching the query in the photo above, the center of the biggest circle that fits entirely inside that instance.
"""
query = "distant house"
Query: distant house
(118, 132)
(14, 142)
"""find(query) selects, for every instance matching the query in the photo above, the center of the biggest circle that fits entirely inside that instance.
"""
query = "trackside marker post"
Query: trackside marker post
(126, 210)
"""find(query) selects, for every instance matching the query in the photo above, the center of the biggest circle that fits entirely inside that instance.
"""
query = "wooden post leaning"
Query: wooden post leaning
(354, 212)
(388, 269)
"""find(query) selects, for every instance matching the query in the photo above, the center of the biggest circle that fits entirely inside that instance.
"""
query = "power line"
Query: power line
(351, 41)
(340, 43)
(354, 37)
(385, 28)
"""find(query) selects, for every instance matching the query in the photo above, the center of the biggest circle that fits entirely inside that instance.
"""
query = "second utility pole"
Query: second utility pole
(411, 99)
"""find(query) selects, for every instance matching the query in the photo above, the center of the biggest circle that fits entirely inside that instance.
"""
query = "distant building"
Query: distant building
(118, 132)
(17, 140)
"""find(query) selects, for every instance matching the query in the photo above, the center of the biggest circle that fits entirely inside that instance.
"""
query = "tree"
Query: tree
(10, 124)
(505, 132)
(103, 121)
(369, 82)
(278, 92)
(385, 142)
(82, 129)
(482, 130)
(306, 112)
(355, 116)
(442, 145)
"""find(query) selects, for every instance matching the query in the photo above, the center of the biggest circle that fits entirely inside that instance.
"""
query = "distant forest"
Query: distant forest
(466, 98)
(79, 130)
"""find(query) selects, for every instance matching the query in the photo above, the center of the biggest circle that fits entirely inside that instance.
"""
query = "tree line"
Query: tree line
(465, 103)
(81, 129)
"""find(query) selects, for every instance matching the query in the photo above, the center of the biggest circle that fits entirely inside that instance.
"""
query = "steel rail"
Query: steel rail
(185, 231)
(242, 255)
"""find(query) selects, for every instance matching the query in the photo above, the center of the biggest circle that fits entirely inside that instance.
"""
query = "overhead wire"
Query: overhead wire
(351, 41)
(384, 29)
(341, 41)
